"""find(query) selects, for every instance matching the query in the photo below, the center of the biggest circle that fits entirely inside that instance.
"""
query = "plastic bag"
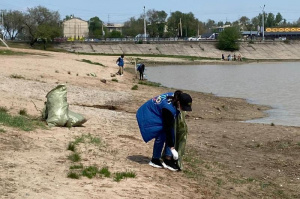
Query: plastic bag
(56, 111)
(57, 106)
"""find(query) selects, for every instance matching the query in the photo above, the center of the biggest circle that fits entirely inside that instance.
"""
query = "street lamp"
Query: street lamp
(263, 22)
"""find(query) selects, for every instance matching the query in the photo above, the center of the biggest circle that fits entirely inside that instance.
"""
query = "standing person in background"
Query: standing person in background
(156, 119)
(120, 63)
(141, 69)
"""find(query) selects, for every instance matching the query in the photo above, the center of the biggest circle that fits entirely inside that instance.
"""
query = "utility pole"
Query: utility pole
(263, 22)
(145, 25)
(180, 28)
(2, 11)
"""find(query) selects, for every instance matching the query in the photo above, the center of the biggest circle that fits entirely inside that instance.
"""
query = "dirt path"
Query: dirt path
(225, 158)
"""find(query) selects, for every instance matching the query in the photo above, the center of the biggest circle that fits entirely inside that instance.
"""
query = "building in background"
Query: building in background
(76, 28)
(111, 27)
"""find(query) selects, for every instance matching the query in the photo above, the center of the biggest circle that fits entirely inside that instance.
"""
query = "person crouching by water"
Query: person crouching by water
(156, 120)
(141, 69)
(120, 63)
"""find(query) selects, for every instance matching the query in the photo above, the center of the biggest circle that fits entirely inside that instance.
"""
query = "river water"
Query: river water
(273, 84)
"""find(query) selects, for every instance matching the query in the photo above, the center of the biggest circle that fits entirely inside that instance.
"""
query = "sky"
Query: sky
(119, 11)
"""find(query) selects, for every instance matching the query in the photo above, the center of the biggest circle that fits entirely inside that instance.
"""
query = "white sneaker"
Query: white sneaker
(156, 163)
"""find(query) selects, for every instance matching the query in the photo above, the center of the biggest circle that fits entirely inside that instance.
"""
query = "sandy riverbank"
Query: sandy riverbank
(225, 158)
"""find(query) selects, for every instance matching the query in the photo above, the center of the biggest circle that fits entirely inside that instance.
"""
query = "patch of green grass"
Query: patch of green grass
(151, 55)
(87, 137)
(147, 83)
(104, 171)
(298, 143)
(73, 175)
(121, 175)
(135, 87)
(90, 62)
(16, 76)
(10, 52)
(2, 130)
(114, 80)
(20, 122)
(75, 157)
(90, 171)
(95, 140)
(23, 112)
(71, 146)
(272, 124)
(80, 166)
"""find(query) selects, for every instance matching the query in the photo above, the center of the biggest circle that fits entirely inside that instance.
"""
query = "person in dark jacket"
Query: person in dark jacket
(120, 63)
(156, 119)
(141, 69)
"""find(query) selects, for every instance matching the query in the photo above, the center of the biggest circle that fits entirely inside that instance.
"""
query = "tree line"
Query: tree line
(40, 22)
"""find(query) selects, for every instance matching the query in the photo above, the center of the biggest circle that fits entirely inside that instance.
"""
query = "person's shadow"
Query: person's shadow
(139, 159)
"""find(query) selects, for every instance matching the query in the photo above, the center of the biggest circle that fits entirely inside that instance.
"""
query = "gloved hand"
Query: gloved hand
(175, 154)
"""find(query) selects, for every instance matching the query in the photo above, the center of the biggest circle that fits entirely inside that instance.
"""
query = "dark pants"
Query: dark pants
(141, 75)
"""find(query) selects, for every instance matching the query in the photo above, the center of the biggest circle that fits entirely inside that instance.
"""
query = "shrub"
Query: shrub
(228, 39)
(23, 112)
(104, 171)
(75, 157)
(90, 171)
(135, 87)
(73, 175)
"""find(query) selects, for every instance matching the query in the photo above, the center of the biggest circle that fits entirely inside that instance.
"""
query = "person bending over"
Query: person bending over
(156, 121)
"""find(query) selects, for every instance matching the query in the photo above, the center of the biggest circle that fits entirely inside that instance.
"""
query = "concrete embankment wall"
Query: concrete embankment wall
(261, 50)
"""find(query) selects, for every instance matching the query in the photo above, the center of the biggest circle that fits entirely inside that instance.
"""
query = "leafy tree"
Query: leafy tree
(210, 24)
(270, 21)
(173, 24)
(298, 22)
(278, 19)
(189, 24)
(13, 23)
(227, 23)
(201, 28)
(220, 23)
(256, 21)
(42, 23)
(133, 27)
(228, 39)
(95, 27)
(244, 22)
(157, 21)
(115, 34)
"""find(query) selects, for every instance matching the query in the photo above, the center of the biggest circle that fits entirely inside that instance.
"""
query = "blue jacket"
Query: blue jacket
(120, 61)
(149, 116)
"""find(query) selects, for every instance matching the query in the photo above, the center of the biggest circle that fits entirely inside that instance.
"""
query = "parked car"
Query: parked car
(192, 38)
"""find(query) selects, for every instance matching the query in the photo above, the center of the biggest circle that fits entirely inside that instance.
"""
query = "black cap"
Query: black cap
(185, 102)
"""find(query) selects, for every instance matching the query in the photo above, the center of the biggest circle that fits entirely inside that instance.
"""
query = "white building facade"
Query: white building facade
(76, 28)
